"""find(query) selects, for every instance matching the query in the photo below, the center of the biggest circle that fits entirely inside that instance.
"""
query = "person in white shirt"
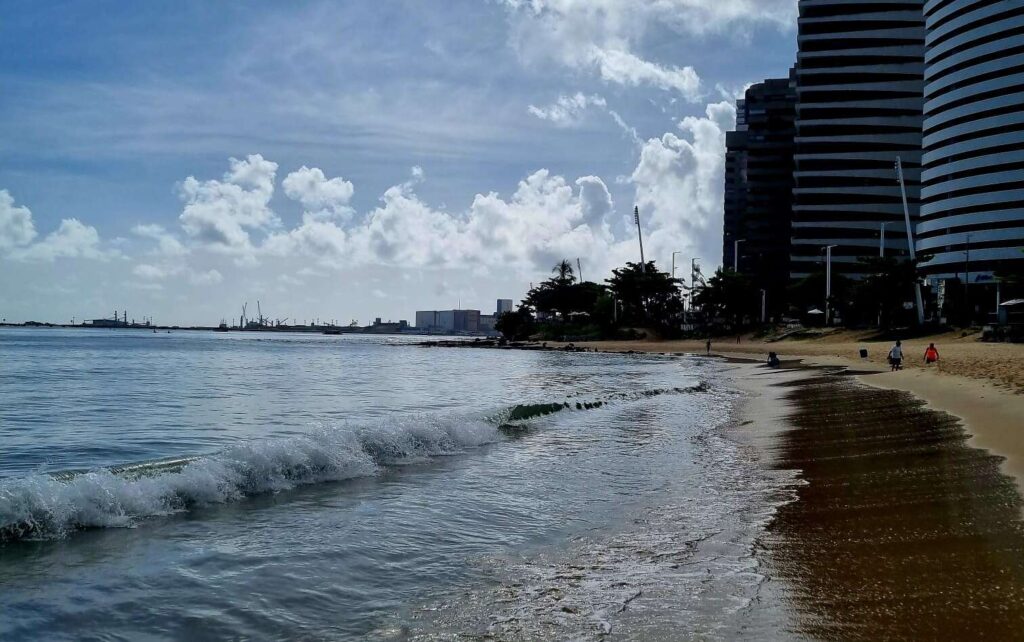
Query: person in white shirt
(896, 357)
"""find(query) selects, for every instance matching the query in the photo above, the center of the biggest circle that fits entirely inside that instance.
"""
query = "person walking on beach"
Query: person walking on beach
(931, 354)
(708, 345)
(896, 357)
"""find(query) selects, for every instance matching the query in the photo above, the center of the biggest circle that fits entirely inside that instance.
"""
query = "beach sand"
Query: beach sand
(902, 529)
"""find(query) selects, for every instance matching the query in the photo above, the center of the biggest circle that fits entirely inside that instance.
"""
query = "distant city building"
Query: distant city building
(387, 327)
(759, 185)
(448, 320)
(972, 212)
(487, 322)
(504, 305)
(860, 84)
(117, 322)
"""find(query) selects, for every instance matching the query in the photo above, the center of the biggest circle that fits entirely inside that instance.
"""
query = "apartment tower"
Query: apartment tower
(859, 88)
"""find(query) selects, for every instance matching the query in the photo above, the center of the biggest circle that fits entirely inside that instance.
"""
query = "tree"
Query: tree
(1011, 276)
(730, 296)
(565, 273)
(516, 325)
(882, 295)
(562, 295)
(809, 292)
(647, 297)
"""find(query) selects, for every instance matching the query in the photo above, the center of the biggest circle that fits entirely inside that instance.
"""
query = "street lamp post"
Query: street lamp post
(674, 263)
(693, 279)
(736, 254)
(764, 297)
(910, 239)
(881, 241)
(828, 283)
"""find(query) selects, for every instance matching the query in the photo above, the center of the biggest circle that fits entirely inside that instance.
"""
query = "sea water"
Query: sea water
(159, 486)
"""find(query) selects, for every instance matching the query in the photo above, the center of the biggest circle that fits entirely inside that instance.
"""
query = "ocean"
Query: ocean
(189, 485)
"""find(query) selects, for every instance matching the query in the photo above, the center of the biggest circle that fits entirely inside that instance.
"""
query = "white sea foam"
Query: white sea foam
(44, 506)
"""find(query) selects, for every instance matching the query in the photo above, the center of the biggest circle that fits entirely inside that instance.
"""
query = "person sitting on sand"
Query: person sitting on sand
(896, 357)
(773, 360)
(931, 354)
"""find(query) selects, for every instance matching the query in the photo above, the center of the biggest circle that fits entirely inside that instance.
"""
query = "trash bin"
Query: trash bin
(863, 353)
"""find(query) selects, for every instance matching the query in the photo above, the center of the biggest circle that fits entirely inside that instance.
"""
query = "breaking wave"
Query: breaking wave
(51, 506)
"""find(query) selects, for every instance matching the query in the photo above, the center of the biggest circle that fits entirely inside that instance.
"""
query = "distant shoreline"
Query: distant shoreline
(328, 330)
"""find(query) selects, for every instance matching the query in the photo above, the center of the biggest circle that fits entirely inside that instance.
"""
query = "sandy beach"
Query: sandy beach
(901, 530)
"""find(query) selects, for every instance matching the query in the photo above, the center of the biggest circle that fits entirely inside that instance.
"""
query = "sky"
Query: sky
(352, 160)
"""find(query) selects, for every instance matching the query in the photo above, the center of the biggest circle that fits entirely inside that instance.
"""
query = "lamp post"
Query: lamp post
(910, 239)
(764, 297)
(828, 282)
(674, 263)
(881, 240)
(736, 254)
(967, 282)
(693, 279)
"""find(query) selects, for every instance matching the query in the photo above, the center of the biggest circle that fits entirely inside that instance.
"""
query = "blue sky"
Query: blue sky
(389, 156)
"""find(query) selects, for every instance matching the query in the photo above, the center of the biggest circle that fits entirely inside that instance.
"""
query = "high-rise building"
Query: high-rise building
(972, 212)
(735, 184)
(759, 185)
(860, 85)
(504, 305)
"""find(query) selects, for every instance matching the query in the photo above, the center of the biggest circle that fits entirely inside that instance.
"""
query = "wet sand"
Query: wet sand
(903, 529)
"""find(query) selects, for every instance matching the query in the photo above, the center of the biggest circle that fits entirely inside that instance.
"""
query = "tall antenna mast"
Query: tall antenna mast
(640, 236)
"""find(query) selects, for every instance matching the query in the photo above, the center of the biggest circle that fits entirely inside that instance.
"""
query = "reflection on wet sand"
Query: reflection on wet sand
(902, 531)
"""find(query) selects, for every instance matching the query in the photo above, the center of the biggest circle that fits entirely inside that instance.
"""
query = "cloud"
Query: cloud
(167, 243)
(159, 272)
(607, 37)
(72, 239)
(679, 184)
(209, 277)
(16, 226)
(221, 214)
(321, 197)
(626, 68)
(567, 110)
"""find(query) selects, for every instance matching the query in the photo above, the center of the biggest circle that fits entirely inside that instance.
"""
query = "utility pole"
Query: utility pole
(881, 240)
(967, 282)
(828, 283)
(640, 237)
(764, 297)
(910, 240)
(579, 269)
(736, 255)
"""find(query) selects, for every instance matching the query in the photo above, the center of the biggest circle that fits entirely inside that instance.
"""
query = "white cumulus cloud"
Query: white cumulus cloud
(166, 243)
(16, 226)
(72, 239)
(221, 214)
(321, 197)
(679, 184)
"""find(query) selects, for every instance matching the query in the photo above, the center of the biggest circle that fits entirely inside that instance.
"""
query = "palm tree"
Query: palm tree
(565, 272)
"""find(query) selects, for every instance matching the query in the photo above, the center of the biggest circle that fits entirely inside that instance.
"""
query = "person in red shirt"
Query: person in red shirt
(931, 354)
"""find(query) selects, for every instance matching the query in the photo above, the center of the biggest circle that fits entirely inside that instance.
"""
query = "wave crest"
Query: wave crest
(46, 507)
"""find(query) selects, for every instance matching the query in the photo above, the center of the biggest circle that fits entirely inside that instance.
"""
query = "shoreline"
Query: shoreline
(988, 410)
(902, 528)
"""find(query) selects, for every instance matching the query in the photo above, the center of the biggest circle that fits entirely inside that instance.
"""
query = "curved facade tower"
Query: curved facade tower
(972, 212)
(860, 77)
